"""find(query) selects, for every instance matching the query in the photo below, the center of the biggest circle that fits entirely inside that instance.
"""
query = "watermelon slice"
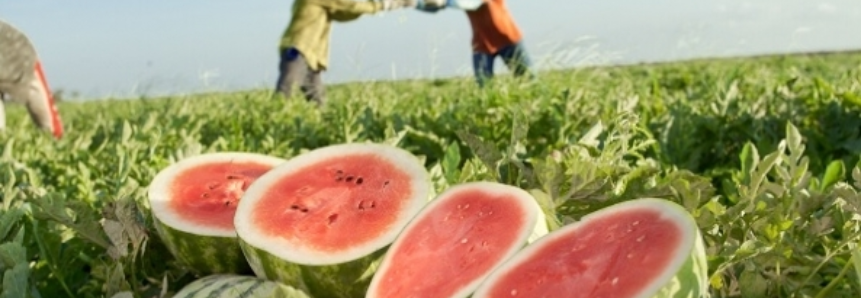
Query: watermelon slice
(193, 202)
(639, 248)
(233, 286)
(455, 242)
(322, 220)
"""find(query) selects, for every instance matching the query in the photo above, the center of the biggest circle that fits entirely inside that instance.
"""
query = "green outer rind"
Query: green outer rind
(203, 255)
(231, 286)
(689, 281)
(345, 280)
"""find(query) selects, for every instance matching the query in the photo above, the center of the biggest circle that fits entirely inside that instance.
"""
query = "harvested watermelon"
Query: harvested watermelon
(322, 220)
(234, 286)
(457, 240)
(639, 248)
(193, 202)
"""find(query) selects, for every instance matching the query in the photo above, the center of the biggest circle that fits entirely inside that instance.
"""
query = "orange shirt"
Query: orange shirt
(492, 27)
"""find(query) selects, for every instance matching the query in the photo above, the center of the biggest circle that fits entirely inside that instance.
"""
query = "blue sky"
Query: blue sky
(126, 48)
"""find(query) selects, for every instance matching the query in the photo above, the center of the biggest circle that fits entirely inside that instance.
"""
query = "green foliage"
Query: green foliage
(763, 152)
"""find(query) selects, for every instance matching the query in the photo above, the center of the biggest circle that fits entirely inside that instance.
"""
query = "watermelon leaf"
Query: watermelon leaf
(752, 284)
(833, 173)
(486, 152)
(13, 258)
(124, 294)
(54, 207)
(8, 221)
(856, 263)
(451, 163)
(15, 281)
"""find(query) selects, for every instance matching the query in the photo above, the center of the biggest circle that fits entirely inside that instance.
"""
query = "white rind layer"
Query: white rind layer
(159, 191)
(298, 254)
(668, 210)
(531, 211)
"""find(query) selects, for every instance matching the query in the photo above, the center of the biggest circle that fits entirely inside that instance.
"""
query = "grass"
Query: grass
(763, 151)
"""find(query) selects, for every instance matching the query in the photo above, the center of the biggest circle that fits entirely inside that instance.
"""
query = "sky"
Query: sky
(102, 48)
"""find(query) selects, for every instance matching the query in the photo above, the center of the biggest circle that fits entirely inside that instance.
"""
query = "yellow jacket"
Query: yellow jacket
(311, 24)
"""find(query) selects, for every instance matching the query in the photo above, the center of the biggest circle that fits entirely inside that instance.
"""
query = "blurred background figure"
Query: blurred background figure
(22, 81)
(494, 34)
(304, 46)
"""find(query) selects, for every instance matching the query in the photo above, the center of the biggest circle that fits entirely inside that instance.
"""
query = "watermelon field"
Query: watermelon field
(762, 152)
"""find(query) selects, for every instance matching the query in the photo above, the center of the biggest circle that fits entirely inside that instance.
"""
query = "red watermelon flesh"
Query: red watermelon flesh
(193, 202)
(208, 194)
(322, 221)
(356, 196)
(456, 241)
(615, 255)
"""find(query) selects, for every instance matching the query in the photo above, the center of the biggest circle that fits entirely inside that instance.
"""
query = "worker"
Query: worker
(22, 81)
(304, 47)
(494, 34)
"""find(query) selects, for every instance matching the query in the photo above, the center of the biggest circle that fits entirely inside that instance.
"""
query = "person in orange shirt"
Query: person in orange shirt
(494, 34)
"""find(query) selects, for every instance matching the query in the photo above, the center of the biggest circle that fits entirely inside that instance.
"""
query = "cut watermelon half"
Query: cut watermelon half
(457, 240)
(635, 249)
(193, 202)
(322, 220)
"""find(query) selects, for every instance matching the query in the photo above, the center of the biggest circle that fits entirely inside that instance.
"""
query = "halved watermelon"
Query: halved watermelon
(639, 248)
(321, 221)
(234, 286)
(457, 240)
(193, 202)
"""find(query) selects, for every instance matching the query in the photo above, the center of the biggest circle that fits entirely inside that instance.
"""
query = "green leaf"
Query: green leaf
(8, 221)
(12, 254)
(834, 173)
(486, 152)
(451, 162)
(752, 284)
(124, 294)
(54, 207)
(749, 159)
(856, 262)
(793, 138)
(590, 138)
(15, 282)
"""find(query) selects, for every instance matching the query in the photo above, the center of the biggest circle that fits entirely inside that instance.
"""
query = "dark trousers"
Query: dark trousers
(294, 71)
(514, 56)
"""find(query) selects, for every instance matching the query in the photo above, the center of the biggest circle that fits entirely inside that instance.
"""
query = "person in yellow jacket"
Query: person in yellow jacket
(304, 47)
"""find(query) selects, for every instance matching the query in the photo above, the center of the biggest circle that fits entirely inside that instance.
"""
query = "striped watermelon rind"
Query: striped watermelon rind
(232, 286)
(201, 249)
(348, 279)
(203, 254)
(345, 274)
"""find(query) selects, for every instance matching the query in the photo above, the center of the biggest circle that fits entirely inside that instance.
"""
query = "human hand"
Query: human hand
(431, 5)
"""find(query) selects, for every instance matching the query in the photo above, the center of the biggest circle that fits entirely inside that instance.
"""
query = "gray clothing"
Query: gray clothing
(20, 81)
(294, 71)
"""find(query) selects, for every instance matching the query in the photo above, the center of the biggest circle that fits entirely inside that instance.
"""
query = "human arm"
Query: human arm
(348, 10)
